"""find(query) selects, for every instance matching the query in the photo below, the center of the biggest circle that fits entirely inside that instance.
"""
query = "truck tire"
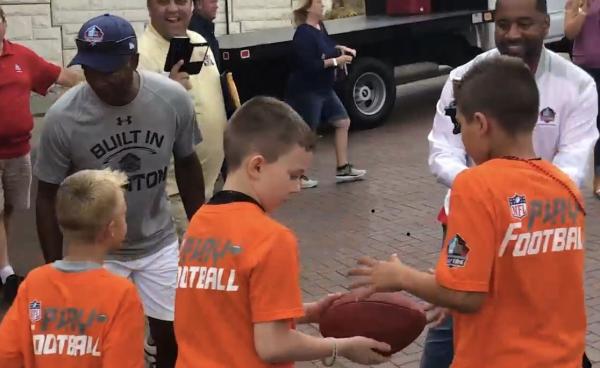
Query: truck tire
(369, 92)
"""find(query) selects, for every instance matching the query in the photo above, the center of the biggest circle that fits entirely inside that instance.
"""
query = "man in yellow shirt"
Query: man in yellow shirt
(168, 19)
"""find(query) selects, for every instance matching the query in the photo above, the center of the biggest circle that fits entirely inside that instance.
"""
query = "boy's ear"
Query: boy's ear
(482, 122)
(456, 86)
(109, 230)
(255, 165)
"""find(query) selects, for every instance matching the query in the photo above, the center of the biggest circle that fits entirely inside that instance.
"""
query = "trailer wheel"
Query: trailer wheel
(369, 92)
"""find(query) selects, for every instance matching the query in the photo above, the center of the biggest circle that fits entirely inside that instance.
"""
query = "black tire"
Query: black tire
(373, 81)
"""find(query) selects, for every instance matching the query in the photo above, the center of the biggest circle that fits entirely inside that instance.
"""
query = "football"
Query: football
(392, 318)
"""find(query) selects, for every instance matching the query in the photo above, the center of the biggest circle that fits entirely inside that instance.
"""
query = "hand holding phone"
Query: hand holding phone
(180, 48)
(182, 78)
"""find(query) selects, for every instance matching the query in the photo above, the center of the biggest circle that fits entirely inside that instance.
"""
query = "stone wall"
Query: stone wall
(49, 26)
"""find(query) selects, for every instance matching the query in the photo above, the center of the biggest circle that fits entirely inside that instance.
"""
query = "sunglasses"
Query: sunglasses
(100, 46)
(451, 112)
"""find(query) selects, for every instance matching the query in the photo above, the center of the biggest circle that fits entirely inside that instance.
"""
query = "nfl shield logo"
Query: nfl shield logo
(35, 311)
(518, 206)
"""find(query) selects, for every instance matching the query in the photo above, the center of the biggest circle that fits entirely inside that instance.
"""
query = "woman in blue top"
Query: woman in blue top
(315, 58)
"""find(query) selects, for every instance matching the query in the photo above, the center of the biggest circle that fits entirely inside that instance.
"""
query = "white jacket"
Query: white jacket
(566, 131)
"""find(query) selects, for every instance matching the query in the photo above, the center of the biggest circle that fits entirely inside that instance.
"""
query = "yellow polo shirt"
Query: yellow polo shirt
(208, 99)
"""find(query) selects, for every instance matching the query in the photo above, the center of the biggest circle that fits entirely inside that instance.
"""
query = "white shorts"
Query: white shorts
(155, 277)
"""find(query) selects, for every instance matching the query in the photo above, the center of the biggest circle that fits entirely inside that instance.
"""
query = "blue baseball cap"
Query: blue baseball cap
(105, 43)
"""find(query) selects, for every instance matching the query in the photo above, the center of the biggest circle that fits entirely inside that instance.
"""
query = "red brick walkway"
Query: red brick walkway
(393, 211)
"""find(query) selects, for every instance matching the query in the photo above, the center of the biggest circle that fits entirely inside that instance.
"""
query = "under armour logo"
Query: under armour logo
(120, 120)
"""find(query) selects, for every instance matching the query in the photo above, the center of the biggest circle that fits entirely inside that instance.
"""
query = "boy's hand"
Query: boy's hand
(363, 350)
(314, 311)
(436, 315)
(379, 276)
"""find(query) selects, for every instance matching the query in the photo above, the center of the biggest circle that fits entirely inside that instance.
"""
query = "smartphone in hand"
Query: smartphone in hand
(181, 48)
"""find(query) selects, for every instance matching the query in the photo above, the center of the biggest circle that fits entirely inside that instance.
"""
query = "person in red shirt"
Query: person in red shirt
(23, 71)
(73, 312)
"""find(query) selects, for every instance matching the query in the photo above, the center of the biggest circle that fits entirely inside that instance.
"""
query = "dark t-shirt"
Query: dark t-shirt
(310, 47)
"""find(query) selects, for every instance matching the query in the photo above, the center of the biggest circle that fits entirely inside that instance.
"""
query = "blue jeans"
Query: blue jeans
(439, 346)
(318, 107)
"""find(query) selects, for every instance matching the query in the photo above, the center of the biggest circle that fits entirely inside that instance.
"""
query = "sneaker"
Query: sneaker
(306, 183)
(347, 173)
(150, 352)
(10, 288)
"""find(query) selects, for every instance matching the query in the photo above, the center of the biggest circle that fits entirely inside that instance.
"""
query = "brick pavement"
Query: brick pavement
(393, 211)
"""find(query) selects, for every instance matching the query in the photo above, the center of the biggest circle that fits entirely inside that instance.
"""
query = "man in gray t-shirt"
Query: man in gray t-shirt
(133, 122)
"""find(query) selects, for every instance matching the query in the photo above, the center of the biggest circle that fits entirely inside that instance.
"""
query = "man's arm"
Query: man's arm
(188, 170)
(447, 154)
(69, 78)
(190, 181)
(51, 168)
(579, 133)
(47, 226)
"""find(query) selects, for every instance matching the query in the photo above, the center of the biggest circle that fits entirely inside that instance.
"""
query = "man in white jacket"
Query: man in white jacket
(565, 134)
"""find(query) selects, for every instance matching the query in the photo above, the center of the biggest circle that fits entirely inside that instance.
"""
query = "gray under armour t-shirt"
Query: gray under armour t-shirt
(82, 132)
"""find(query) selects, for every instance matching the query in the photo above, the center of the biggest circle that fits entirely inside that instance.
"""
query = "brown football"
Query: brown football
(392, 318)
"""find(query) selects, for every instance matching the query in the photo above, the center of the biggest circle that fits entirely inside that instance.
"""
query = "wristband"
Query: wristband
(329, 362)
(335, 63)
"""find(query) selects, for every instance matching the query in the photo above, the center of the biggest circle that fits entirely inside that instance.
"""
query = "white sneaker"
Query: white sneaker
(348, 173)
(306, 183)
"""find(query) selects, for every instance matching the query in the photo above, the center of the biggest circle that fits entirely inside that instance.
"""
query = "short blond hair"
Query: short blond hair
(86, 202)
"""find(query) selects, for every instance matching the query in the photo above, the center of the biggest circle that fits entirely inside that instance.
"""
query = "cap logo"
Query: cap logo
(93, 35)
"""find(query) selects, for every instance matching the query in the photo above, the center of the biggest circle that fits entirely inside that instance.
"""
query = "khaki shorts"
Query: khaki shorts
(16, 182)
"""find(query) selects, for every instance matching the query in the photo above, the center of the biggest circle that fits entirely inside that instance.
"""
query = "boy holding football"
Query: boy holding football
(238, 296)
(513, 259)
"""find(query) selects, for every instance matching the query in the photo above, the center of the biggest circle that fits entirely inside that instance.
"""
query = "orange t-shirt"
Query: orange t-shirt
(83, 319)
(237, 267)
(516, 234)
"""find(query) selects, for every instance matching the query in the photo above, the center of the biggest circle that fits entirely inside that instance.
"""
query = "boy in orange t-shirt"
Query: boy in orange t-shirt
(513, 261)
(74, 313)
(238, 296)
